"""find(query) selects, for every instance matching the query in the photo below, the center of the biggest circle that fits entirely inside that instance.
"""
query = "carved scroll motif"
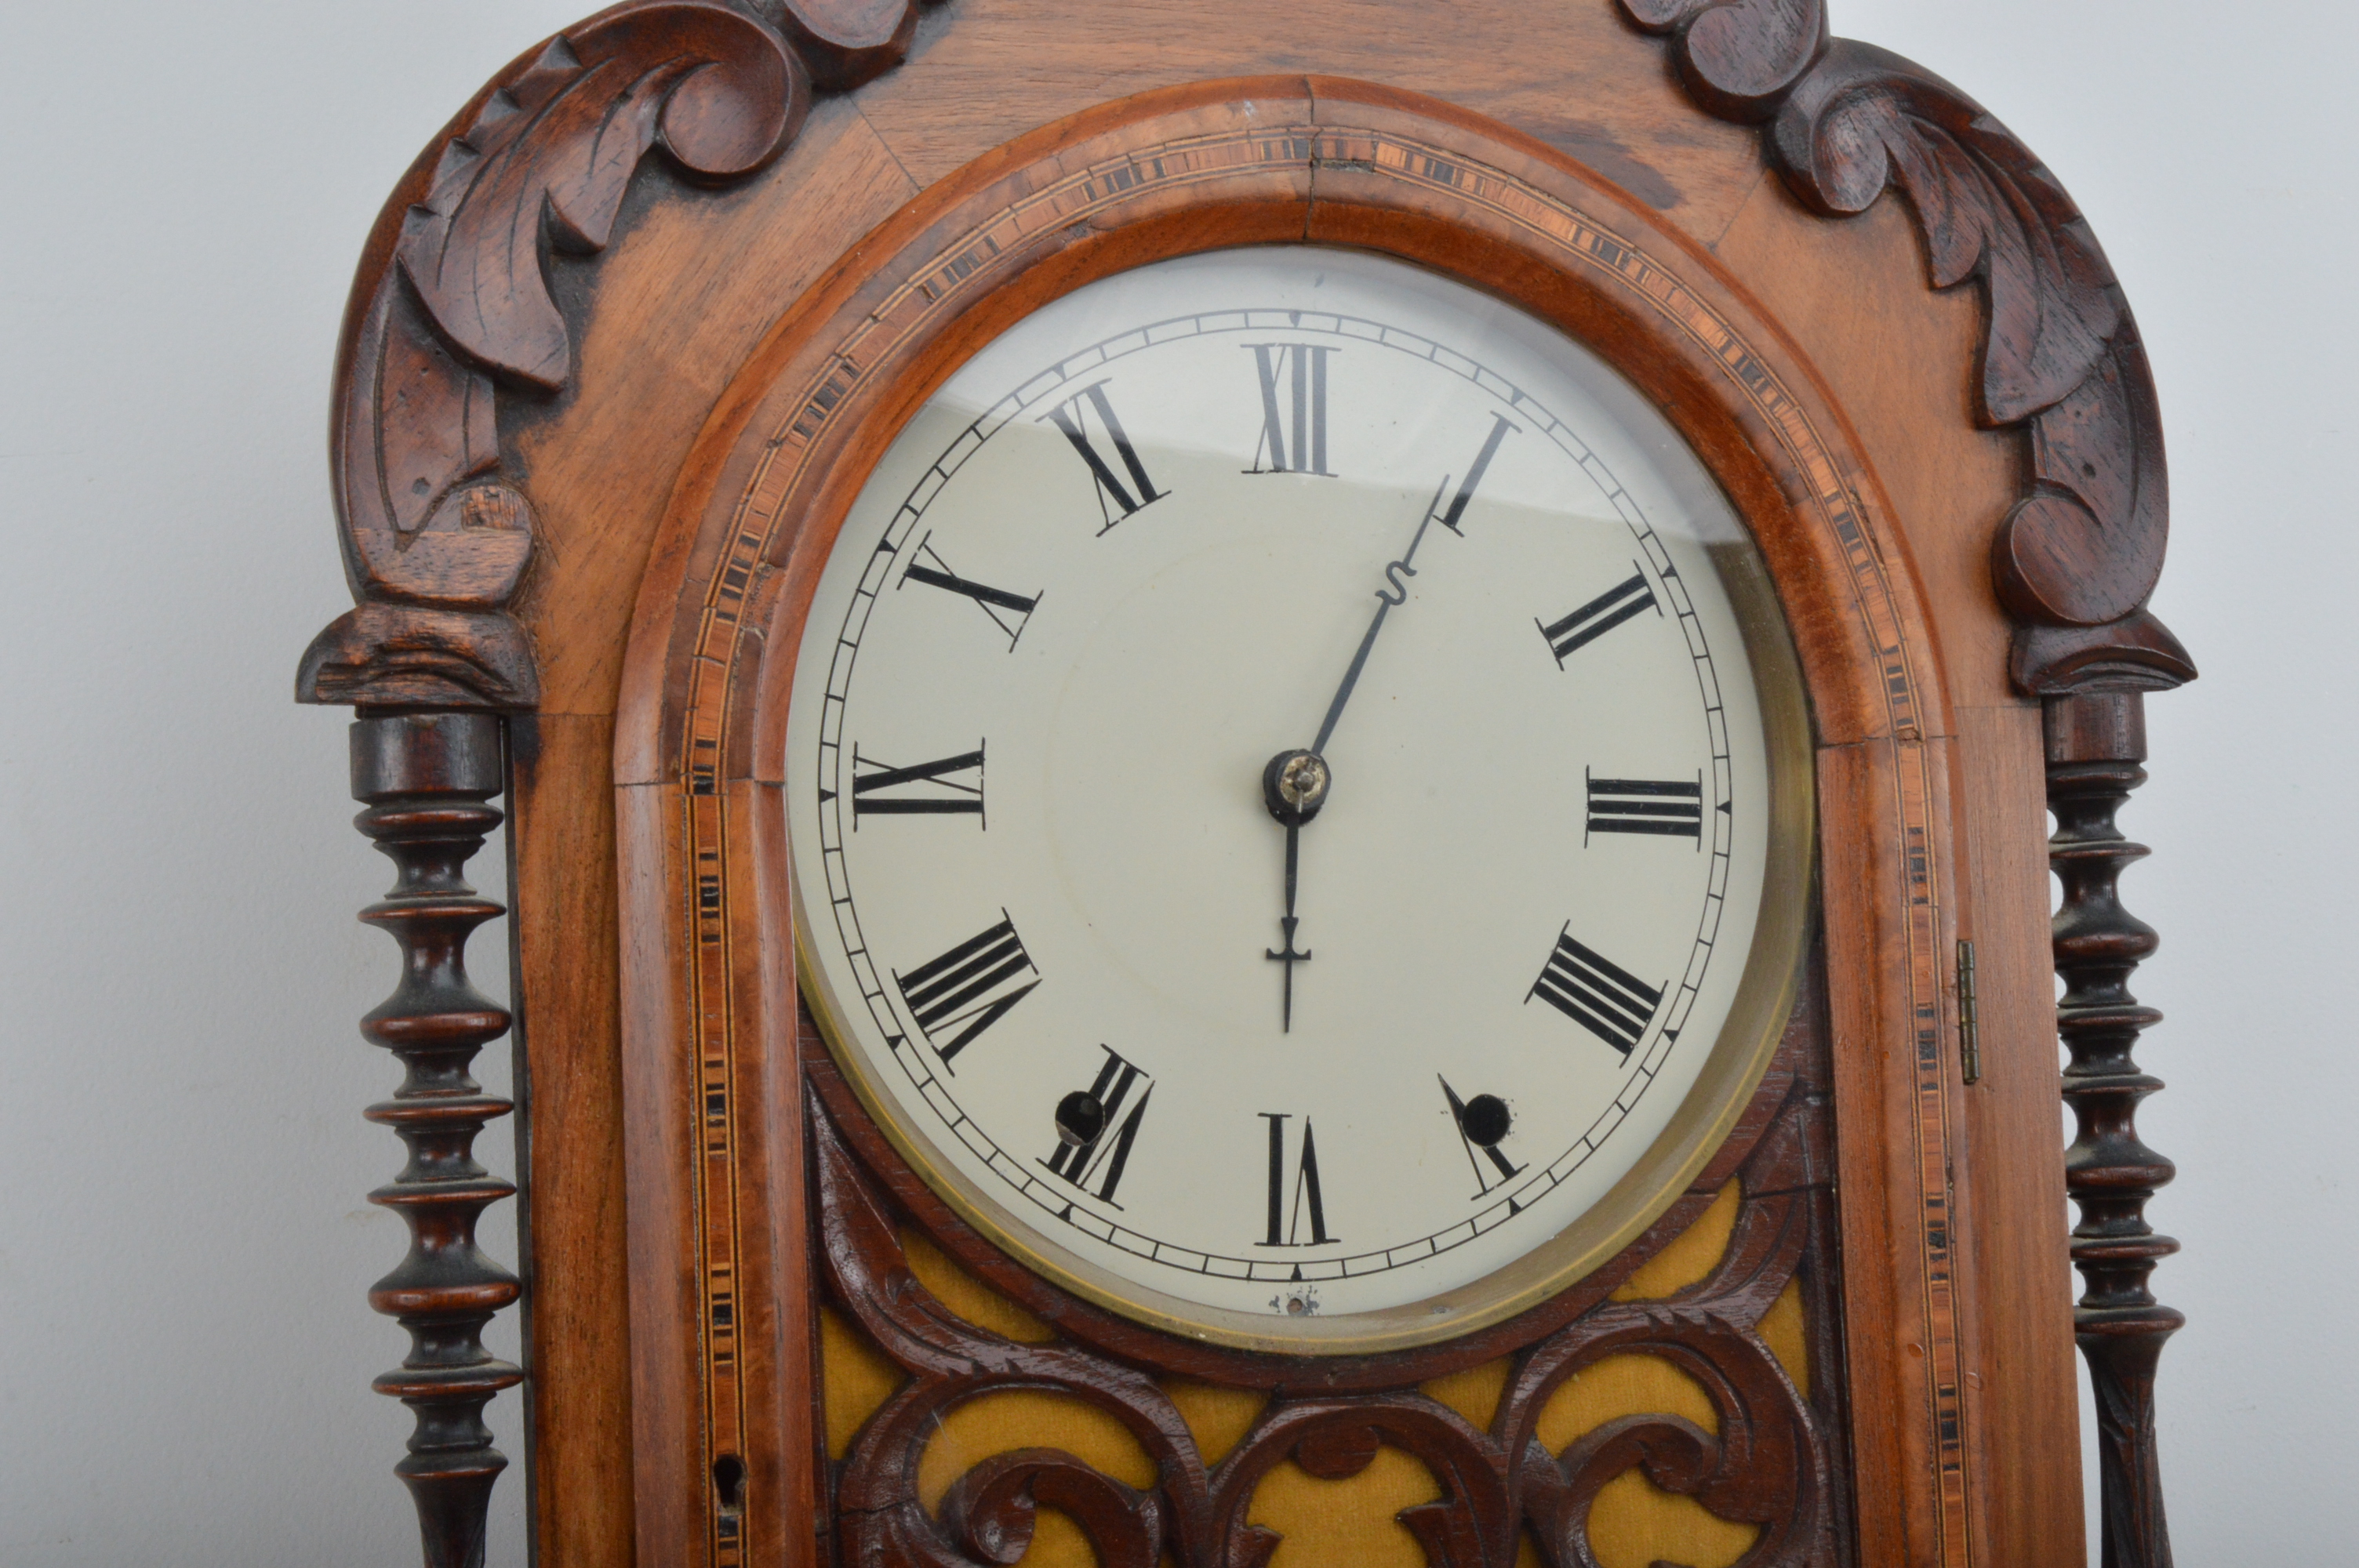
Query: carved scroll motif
(2074, 563)
(459, 315)
(2076, 558)
(1770, 1465)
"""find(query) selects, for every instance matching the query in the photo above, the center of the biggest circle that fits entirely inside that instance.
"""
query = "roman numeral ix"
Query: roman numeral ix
(1599, 616)
(1609, 1001)
(1285, 1215)
(1294, 376)
(927, 789)
(1085, 1153)
(1672, 807)
(1008, 611)
(970, 988)
(1088, 416)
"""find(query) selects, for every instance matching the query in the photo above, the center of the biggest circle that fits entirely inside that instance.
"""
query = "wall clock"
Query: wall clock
(1258, 817)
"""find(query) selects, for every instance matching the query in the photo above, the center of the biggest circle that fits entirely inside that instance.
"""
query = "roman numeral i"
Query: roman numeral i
(1088, 416)
(1608, 1000)
(1672, 807)
(970, 988)
(1293, 375)
(1285, 1215)
(1599, 616)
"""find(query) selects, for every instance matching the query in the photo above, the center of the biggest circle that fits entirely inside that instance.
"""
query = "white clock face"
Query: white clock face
(1278, 796)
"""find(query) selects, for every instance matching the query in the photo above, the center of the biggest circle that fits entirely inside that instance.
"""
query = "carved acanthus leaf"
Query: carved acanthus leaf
(2061, 358)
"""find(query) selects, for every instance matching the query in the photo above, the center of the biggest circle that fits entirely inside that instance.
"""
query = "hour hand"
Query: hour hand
(1294, 786)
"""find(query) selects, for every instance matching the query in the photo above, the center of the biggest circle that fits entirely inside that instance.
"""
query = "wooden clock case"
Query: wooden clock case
(619, 356)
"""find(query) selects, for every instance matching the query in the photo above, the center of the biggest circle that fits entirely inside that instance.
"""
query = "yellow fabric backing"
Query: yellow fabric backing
(1327, 1524)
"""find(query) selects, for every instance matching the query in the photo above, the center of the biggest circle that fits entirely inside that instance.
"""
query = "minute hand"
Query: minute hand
(1394, 594)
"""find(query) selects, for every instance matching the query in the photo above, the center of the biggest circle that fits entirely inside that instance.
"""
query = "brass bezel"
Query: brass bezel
(1706, 1118)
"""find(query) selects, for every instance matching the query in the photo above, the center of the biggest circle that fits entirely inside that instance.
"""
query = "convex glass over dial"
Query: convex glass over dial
(1281, 800)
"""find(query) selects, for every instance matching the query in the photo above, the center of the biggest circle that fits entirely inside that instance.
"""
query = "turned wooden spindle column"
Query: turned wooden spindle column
(426, 778)
(2095, 743)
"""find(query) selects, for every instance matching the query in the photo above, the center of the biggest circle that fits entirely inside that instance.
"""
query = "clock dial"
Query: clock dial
(1281, 801)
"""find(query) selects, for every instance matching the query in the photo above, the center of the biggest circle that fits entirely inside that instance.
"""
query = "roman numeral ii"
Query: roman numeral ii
(1293, 376)
(1599, 616)
(1086, 418)
(970, 988)
(1609, 1001)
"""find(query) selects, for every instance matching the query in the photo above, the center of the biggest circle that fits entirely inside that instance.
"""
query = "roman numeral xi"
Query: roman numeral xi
(1090, 423)
(970, 988)
(1608, 1000)
(1599, 616)
(1085, 1153)
(1293, 379)
(1672, 807)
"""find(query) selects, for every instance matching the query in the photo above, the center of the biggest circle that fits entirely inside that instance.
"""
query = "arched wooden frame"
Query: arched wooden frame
(460, 335)
(712, 1048)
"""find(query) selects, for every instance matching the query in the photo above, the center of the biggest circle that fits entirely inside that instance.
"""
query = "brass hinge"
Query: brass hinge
(1970, 1049)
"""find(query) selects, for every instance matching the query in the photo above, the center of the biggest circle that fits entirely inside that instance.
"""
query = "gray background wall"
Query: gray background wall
(184, 1352)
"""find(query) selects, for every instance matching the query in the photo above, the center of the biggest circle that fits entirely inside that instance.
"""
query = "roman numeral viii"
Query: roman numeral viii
(970, 988)
(1609, 1001)
(1672, 807)
(1085, 1153)
(1293, 376)
(1089, 422)
(927, 789)
(1285, 1214)
(1599, 616)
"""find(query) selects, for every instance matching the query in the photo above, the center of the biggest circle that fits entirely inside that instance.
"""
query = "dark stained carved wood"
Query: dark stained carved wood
(1775, 1462)
(425, 779)
(2077, 557)
(2095, 742)
(2074, 563)
(453, 313)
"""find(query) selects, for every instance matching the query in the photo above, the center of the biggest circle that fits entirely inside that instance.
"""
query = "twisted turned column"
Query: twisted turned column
(2095, 742)
(425, 778)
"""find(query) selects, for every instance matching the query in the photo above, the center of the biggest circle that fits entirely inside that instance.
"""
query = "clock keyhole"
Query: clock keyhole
(1079, 1118)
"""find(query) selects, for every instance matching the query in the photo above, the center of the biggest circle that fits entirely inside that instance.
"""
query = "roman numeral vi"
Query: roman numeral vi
(970, 988)
(1609, 1001)
(1285, 1215)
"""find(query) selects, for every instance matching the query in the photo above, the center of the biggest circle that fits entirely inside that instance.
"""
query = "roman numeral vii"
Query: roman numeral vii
(1609, 1001)
(1089, 422)
(970, 988)
(1084, 1152)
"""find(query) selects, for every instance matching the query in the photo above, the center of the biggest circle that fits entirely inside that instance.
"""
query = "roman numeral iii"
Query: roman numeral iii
(1672, 807)
(1599, 616)
(1090, 423)
(1286, 1211)
(1085, 1153)
(1608, 1000)
(970, 988)
(1008, 611)
(1293, 376)
(951, 786)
